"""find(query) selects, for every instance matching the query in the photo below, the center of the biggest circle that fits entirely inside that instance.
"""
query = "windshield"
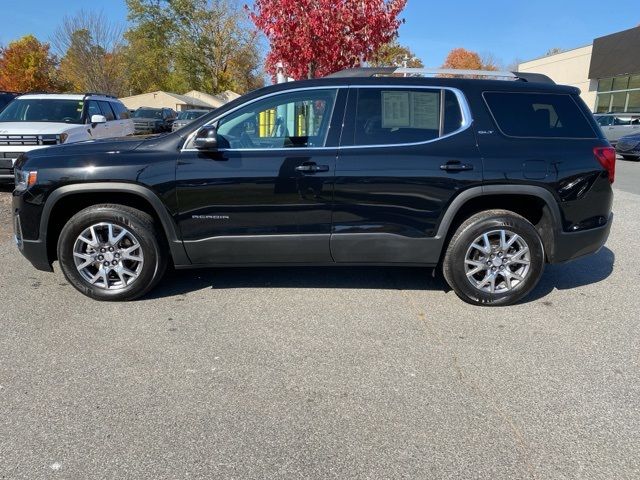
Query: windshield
(147, 113)
(190, 115)
(43, 110)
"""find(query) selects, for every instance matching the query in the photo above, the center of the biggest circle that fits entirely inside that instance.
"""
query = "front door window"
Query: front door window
(291, 120)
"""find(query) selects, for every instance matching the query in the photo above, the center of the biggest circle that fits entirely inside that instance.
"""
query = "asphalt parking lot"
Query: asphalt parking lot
(325, 373)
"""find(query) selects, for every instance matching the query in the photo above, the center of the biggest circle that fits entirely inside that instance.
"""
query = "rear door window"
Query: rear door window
(538, 115)
(120, 110)
(395, 116)
(107, 111)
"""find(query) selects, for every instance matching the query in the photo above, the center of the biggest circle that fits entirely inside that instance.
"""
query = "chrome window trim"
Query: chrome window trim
(463, 104)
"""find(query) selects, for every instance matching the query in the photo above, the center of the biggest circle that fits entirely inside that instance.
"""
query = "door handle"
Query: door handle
(456, 167)
(312, 168)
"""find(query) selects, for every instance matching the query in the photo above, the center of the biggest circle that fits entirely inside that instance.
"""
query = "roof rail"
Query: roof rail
(84, 94)
(88, 94)
(412, 72)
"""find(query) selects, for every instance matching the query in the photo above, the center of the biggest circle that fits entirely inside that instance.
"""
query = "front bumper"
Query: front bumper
(141, 129)
(7, 160)
(33, 250)
(572, 245)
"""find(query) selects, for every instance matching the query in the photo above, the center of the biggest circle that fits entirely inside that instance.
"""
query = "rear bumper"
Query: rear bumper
(573, 245)
(629, 154)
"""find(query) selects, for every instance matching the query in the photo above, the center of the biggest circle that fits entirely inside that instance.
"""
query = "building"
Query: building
(190, 100)
(214, 100)
(607, 72)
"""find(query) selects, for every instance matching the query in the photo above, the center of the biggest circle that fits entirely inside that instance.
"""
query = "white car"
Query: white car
(38, 120)
(618, 125)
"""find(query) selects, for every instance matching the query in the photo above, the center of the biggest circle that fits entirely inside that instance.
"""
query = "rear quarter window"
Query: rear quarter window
(538, 115)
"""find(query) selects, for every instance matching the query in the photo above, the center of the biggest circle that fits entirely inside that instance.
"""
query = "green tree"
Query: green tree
(27, 65)
(393, 54)
(191, 44)
(92, 51)
(151, 47)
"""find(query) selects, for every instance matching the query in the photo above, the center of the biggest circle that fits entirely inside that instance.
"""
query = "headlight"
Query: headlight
(25, 179)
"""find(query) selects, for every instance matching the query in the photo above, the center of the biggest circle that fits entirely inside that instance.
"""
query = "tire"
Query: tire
(631, 157)
(465, 266)
(136, 261)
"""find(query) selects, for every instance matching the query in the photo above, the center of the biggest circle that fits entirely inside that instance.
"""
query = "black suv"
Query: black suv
(153, 120)
(487, 178)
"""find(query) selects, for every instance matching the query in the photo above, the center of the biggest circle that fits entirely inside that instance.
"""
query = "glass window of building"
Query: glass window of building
(619, 94)
(634, 102)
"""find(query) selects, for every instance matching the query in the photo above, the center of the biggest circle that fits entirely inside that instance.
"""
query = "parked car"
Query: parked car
(36, 121)
(629, 147)
(5, 98)
(153, 120)
(488, 179)
(618, 125)
(186, 117)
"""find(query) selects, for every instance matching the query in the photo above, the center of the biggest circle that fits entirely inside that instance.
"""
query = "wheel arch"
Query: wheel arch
(66, 201)
(536, 204)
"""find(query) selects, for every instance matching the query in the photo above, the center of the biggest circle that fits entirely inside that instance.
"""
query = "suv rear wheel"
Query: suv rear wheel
(111, 252)
(495, 258)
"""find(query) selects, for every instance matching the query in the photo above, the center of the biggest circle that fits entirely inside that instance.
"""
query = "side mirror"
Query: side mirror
(95, 119)
(206, 138)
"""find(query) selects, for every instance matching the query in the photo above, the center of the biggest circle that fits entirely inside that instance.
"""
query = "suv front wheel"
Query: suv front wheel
(111, 252)
(495, 258)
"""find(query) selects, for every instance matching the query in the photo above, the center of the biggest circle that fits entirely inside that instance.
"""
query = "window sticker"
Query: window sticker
(425, 110)
(419, 110)
(396, 110)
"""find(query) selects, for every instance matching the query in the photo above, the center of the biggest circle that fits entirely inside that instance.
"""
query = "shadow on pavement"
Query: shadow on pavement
(179, 282)
(586, 271)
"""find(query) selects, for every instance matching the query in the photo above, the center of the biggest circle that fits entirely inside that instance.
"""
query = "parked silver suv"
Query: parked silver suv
(617, 125)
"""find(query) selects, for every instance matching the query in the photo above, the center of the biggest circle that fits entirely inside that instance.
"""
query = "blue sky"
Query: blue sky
(506, 28)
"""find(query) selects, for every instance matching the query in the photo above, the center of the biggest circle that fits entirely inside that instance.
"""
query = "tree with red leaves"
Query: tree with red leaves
(314, 38)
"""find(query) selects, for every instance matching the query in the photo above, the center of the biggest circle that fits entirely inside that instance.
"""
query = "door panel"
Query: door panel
(388, 200)
(229, 199)
(257, 201)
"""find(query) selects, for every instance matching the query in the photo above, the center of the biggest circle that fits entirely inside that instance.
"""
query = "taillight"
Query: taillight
(607, 158)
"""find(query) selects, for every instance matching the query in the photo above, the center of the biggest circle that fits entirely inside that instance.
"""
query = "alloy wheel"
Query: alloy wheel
(497, 261)
(108, 256)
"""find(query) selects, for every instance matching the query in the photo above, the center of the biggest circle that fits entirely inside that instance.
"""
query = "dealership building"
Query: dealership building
(607, 72)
